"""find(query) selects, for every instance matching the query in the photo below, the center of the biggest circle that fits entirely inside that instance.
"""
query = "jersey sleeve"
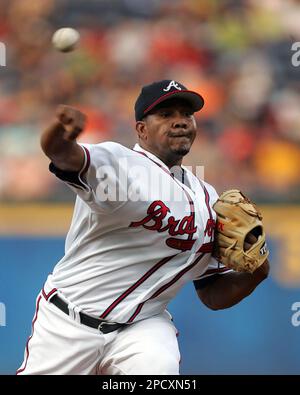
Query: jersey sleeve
(98, 182)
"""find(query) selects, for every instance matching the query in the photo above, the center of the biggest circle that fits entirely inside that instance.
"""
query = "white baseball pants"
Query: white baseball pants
(60, 345)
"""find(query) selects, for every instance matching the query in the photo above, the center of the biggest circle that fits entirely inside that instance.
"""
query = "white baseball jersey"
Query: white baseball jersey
(139, 232)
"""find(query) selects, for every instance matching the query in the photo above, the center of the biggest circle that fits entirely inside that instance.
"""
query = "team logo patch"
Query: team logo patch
(173, 84)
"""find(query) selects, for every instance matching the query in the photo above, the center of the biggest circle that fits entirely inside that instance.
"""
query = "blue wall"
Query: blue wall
(255, 337)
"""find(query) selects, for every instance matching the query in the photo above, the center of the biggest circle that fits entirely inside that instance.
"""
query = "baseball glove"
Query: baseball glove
(239, 221)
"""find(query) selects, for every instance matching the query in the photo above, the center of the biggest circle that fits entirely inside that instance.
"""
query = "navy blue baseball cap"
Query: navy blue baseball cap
(158, 92)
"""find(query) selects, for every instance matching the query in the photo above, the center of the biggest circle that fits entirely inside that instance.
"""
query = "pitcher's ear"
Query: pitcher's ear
(141, 129)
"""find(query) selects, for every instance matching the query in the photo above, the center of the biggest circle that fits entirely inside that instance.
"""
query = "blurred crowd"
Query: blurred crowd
(237, 54)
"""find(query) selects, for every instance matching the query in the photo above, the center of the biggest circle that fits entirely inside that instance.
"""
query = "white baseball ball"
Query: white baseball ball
(65, 39)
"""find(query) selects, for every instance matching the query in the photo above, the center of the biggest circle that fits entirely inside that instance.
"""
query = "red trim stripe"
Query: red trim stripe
(190, 200)
(85, 168)
(206, 247)
(47, 296)
(88, 161)
(136, 284)
(166, 286)
(137, 311)
(30, 337)
(207, 197)
(158, 164)
(170, 94)
(157, 265)
(75, 185)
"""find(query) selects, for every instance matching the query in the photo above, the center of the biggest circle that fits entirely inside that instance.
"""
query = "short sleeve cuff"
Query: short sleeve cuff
(74, 178)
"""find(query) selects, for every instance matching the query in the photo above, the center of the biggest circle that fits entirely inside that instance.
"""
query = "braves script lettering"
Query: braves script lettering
(210, 227)
(156, 213)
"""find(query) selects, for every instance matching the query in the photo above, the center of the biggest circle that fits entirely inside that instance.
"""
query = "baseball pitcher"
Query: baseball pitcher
(143, 226)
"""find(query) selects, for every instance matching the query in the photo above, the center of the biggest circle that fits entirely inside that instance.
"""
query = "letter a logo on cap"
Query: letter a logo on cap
(174, 84)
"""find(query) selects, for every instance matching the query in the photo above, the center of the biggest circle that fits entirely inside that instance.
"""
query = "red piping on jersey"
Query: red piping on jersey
(180, 274)
(207, 202)
(136, 284)
(206, 199)
(47, 296)
(88, 161)
(86, 166)
(190, 200)
(161, 262)
(30, 337)
(164, 287)
(75, 185)
(74, 178)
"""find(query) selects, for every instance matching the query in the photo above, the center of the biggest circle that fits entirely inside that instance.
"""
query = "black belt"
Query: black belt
(102, 325)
